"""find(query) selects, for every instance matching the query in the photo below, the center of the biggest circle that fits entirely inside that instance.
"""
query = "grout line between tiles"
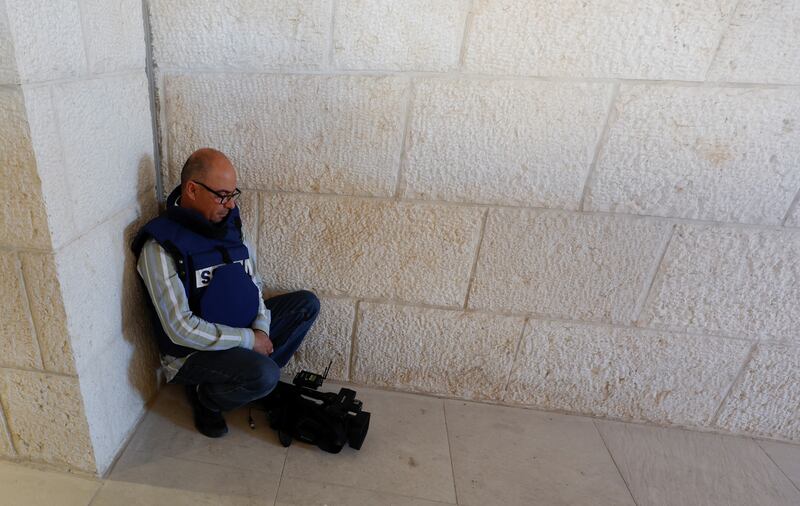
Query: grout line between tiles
(4, 425)
(514, 360)
(400, 183)
(280, 480)
(474, 269)
(795, 485)
(353, 344)
(610, 454)
(723, 33)
(739, 375)
(103, 483)
(642, 301)
(28, 303)
(610, 118)
(450, 450)
(468, 18)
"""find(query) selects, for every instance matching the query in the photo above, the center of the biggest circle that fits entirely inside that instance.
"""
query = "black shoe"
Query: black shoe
(210, 423)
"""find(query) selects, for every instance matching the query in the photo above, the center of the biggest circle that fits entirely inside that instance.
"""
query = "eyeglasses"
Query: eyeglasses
(224, 197)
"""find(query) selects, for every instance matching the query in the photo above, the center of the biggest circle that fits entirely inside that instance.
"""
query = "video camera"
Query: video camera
(298, 410)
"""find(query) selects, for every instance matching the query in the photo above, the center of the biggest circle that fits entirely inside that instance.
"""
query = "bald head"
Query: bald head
(206, 176)
(203, 161)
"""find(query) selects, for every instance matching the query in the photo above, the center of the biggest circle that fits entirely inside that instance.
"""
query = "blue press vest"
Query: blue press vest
(212, 270)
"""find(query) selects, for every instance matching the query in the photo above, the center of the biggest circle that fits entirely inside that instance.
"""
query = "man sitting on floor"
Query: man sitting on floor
(215, 332)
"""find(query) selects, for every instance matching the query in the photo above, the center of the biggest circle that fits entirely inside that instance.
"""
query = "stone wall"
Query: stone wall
(578, 206)
(77, 177)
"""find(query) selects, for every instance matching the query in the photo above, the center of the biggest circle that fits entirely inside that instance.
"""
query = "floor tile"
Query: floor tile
(116, 493)
(786, 456)
(168, 430)
(405, 452)
(192, 476)
(295, 492)
(679, 467)
(514, 456)
(22, 485)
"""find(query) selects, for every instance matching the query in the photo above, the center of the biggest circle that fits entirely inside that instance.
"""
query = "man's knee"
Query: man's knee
(264, 378)
(310, 303)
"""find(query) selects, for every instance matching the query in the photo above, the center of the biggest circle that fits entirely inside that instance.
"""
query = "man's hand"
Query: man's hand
(262, 343)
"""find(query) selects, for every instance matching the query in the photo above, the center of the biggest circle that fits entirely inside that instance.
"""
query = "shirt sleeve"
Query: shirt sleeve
(184, 328)
(264, 317)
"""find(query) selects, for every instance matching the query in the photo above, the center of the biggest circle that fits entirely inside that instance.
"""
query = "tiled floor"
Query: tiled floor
(426, 451)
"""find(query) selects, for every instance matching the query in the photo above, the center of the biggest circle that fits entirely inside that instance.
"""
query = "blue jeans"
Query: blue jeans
(232, 378)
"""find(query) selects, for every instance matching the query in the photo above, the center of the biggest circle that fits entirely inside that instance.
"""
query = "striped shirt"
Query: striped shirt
(157, 269)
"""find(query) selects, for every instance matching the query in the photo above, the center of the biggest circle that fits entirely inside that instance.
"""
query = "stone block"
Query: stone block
(47, 309)
(248, 210)
(635, 39)
(329, 134)
(6, 446)
(793, 220)
(18, 346)
(46, 419)
(760, 46)
(383, 34)
(624, 373)
(8, 63)
(766, 401)
(368, 248)
(114, 35)
(48, 38)
(503, 142)
(23, 222)
(728, 281)
(572, 266)
(435, 351)
(240, 34)
(101, 154)
(722, 154)
(115, 387)
(102, 293)
(329, 339)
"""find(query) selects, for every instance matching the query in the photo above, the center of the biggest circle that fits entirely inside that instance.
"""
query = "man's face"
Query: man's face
(221, 178)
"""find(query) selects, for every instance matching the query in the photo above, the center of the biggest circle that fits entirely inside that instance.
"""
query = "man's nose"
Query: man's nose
(230, 204)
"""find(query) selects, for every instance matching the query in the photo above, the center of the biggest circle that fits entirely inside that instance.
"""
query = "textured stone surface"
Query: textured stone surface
(22, 215)
(114, 34)
(18, 346)
(102, 153)
(248, 210)
(368, 248)
(737, 282)
(47, 309)
(8, 63)
(761, 44)
(46, 418)
(504, 142)
(624, 373)
(307, 133)
(766, 401)
(647, 39)
(53, 42)
(570, 265)
(249, 34)
(443, 352)
(6, 447)
(793, 220)
(726, 154)
(410, 35)
(115, 388)
(111, 335)
(329, 339)
(100, 286)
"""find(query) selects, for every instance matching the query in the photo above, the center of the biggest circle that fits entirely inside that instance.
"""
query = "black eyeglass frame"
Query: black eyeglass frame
(224, 198)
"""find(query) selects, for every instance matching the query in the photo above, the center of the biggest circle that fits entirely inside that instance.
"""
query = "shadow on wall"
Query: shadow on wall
(143, 367)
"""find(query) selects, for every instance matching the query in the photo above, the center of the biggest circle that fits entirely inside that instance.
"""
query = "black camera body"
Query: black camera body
(329, 420)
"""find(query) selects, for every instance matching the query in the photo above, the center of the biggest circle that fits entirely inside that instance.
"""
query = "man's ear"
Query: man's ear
(190, 190)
